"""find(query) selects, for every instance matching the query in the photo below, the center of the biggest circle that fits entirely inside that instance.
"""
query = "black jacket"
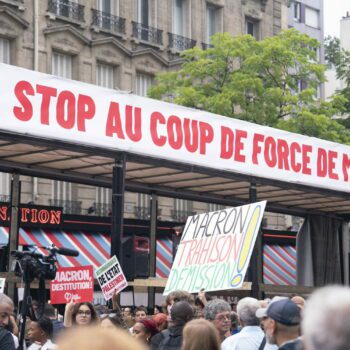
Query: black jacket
(6, 340)
(292, 345)
(169, 339)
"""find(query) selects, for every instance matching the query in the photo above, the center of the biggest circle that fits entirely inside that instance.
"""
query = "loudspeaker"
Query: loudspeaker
(135, 257)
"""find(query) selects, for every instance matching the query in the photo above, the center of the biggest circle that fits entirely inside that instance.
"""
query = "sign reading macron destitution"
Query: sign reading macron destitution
(72, 283)
(111, 278)
(215, 249)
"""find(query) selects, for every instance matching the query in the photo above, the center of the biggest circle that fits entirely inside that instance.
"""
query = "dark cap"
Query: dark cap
(284, 311)
(181, 312)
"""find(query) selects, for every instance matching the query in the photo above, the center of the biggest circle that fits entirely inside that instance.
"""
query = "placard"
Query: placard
(2, 284)
(72, 283)
(111, 278)
(215, 249)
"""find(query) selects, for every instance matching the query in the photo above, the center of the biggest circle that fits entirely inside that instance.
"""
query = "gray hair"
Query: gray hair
(4, 299)
(214, 307)
(246, 309)
(326, 323)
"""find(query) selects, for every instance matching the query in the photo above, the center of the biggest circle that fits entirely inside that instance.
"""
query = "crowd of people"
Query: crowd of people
(322, 322)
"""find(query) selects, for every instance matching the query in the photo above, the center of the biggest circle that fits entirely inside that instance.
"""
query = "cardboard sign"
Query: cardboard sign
(215, 249)
(111, 278)
(2, 284)
(41, 105)
(75, 283)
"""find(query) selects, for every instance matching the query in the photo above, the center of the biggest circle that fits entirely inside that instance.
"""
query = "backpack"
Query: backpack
(165, 340)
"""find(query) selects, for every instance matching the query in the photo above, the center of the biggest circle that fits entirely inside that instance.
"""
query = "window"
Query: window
(182, 209)
(103, 204)
(62, 65)
(215, 207)
(311, 17)
(252, 28)
(5, 184)
(143, 12)
(104, 6)
(178, 25)
(297, 11)
(105, 75)
(4, 51)
(142, 208)
(213, 21)
(143, 83)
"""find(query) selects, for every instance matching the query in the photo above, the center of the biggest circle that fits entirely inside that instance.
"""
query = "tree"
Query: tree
(340, 58)
(271, 82)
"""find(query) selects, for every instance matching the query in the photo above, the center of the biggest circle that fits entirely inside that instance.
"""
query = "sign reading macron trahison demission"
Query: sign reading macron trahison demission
(215, 249)
(111, 278)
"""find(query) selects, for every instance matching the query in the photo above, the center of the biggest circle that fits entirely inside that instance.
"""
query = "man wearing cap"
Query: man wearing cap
(281, 321)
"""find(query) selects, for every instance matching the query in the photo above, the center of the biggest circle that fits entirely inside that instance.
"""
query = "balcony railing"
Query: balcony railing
(69, 207)
(206, 46)
(5, 198)
(181, 215)
(67, 9)
(144, 213)
(180, 43)
(101, 209)
(146, 33)
(107, 21)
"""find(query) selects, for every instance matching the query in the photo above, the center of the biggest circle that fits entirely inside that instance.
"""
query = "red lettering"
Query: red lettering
(283, 154)
(24, 214)
(239, 145)
(114, 125)
(133, 125)
(65, 109)
(227, 137)
(174, 122)
(34, 215)
(321, 163)
(3, 213)
(157, 118)
(258, 138)
(346, 166)
(43, 216)
(55, 217)
(306, 150)
(86, 110)
(295, 148)
(191, 146)
(47, 92)
(25, 112)
(206, 136)
(270, 152)
(332, 156)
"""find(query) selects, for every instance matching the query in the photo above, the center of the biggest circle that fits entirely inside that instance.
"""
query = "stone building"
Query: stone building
(118, 44)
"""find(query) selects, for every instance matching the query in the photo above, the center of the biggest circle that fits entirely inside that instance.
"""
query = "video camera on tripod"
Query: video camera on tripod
(31, 265)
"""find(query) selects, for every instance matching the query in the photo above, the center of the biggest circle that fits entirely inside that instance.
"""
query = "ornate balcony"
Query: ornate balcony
(181, 215)
(5, 198)
(180, 43)
(146, 33)
(206, 46)
(144, 213)
(100, 209)
(65, 8)
(69, 207)
(107, 21)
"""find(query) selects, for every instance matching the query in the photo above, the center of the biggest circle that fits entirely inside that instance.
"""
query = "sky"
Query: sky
(334, 10)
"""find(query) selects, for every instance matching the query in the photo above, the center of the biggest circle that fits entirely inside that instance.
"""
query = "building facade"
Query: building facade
(307, 16)
(119, 44)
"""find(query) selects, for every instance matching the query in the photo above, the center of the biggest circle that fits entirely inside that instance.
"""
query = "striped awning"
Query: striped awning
(93, 247)
(164, 258)
(280, 265)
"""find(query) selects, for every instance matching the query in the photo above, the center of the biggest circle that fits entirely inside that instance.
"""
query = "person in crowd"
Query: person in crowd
(128, 316)
(6, 340)
(251, 335)
(161, 320)
(157, 309)
(79, 314)
(299, 301)
(50, 313)
(235, 327)
(200, 334)
(171, 338)
(7, 318)
(218, 312)
(281, 322)
(98, 338)
(40, 333)
(140, 313)
(144, 330)
(112, 320)
(175, 296)
(326, 319)
(101, 309)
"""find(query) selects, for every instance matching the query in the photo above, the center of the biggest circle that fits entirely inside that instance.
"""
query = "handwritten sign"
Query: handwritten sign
(215, 249)
(75, 283)
(111, 278)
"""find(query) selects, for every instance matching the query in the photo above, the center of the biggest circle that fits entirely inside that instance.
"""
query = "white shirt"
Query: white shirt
(249, 338)
(47, 346)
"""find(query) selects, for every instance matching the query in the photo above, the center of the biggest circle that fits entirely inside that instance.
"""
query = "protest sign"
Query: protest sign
(215, 249)
(111, 278)
(72, 283)
(2, 284)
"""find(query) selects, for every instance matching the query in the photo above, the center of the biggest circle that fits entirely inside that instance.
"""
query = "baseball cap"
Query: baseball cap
(283, 311)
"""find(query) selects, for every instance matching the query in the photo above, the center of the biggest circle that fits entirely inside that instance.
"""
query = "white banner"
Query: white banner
(54, 108)
(215, 249)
